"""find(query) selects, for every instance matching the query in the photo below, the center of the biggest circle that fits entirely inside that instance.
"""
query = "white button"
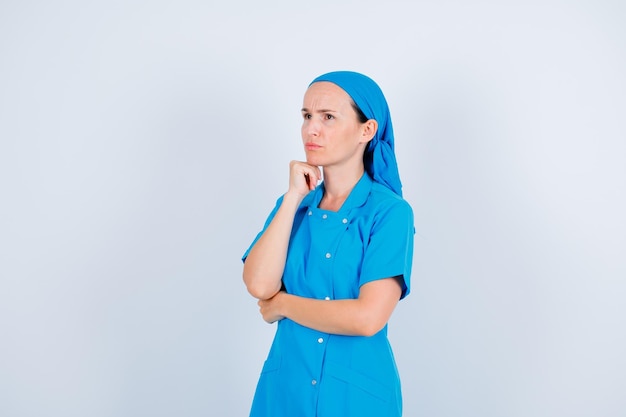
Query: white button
(320, 340)
(326, 298)
(313, 382)
(328, 255)
(310, 212)
(324, 216)
(345, 221)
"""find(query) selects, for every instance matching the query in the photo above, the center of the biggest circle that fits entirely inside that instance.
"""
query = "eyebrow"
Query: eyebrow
(305, 110)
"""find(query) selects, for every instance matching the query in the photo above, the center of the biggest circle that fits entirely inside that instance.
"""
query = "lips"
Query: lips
(311, 146)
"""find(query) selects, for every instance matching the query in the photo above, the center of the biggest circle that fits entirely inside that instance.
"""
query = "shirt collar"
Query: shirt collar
(356, 198)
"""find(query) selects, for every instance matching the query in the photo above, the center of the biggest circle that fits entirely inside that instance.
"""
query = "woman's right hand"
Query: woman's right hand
(265, 264)
(303, 177)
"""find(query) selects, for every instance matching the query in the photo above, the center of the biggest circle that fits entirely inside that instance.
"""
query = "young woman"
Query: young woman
(333, 260)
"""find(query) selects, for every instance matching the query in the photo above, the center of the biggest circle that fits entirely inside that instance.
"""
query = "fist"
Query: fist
(303, 177)
(271, 309)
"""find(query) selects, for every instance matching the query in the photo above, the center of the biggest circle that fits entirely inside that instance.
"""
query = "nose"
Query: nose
(311, 127)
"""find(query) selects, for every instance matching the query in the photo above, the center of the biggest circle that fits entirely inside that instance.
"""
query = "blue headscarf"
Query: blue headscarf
(379, 158)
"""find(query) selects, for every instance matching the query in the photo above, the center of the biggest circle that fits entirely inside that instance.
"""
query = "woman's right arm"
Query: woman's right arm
(264, 266)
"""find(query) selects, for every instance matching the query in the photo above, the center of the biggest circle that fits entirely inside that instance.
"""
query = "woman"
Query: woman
(333, 260)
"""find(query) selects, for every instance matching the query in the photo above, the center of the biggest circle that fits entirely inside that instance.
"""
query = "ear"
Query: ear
(369, 129)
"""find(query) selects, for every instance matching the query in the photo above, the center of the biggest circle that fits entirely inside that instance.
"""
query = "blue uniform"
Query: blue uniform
(331, 254)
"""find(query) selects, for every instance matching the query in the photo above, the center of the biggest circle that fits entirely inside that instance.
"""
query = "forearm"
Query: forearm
(265, 263)
(364, 316)
(345, 317)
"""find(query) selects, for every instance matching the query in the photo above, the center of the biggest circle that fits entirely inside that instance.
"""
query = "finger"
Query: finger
(305, 169)
(318, 174)
(311, 181)
(309, 173)
(313, 177)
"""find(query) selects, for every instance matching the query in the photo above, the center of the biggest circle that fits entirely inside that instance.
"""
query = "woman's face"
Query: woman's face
(331, 132)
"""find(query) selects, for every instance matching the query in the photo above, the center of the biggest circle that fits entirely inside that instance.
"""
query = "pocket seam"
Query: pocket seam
(358, 380)
(271, 365)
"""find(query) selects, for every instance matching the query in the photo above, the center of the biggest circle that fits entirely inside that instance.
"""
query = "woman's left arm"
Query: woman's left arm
(364, 316)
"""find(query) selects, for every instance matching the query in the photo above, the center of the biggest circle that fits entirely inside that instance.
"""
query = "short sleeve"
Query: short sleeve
(389, 252)
(267, 223)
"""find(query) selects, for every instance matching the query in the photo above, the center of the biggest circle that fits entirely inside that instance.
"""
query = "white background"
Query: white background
(142, 145)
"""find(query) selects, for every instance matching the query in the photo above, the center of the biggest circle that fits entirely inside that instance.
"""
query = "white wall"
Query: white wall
(142, 146)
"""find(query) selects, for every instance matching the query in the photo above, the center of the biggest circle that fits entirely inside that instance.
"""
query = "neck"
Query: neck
(338, 183)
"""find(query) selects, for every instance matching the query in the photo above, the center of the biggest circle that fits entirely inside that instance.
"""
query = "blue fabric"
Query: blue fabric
(331, 254)
(380, 158)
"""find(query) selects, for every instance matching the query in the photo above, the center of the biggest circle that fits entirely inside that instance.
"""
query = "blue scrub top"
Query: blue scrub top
(331, 254)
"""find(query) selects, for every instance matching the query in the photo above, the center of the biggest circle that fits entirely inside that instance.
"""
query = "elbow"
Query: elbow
(370, 329)
(258, 290)
(369, 326)
(261, 293)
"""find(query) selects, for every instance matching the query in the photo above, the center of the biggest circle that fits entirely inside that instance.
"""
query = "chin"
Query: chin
(312, 160)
